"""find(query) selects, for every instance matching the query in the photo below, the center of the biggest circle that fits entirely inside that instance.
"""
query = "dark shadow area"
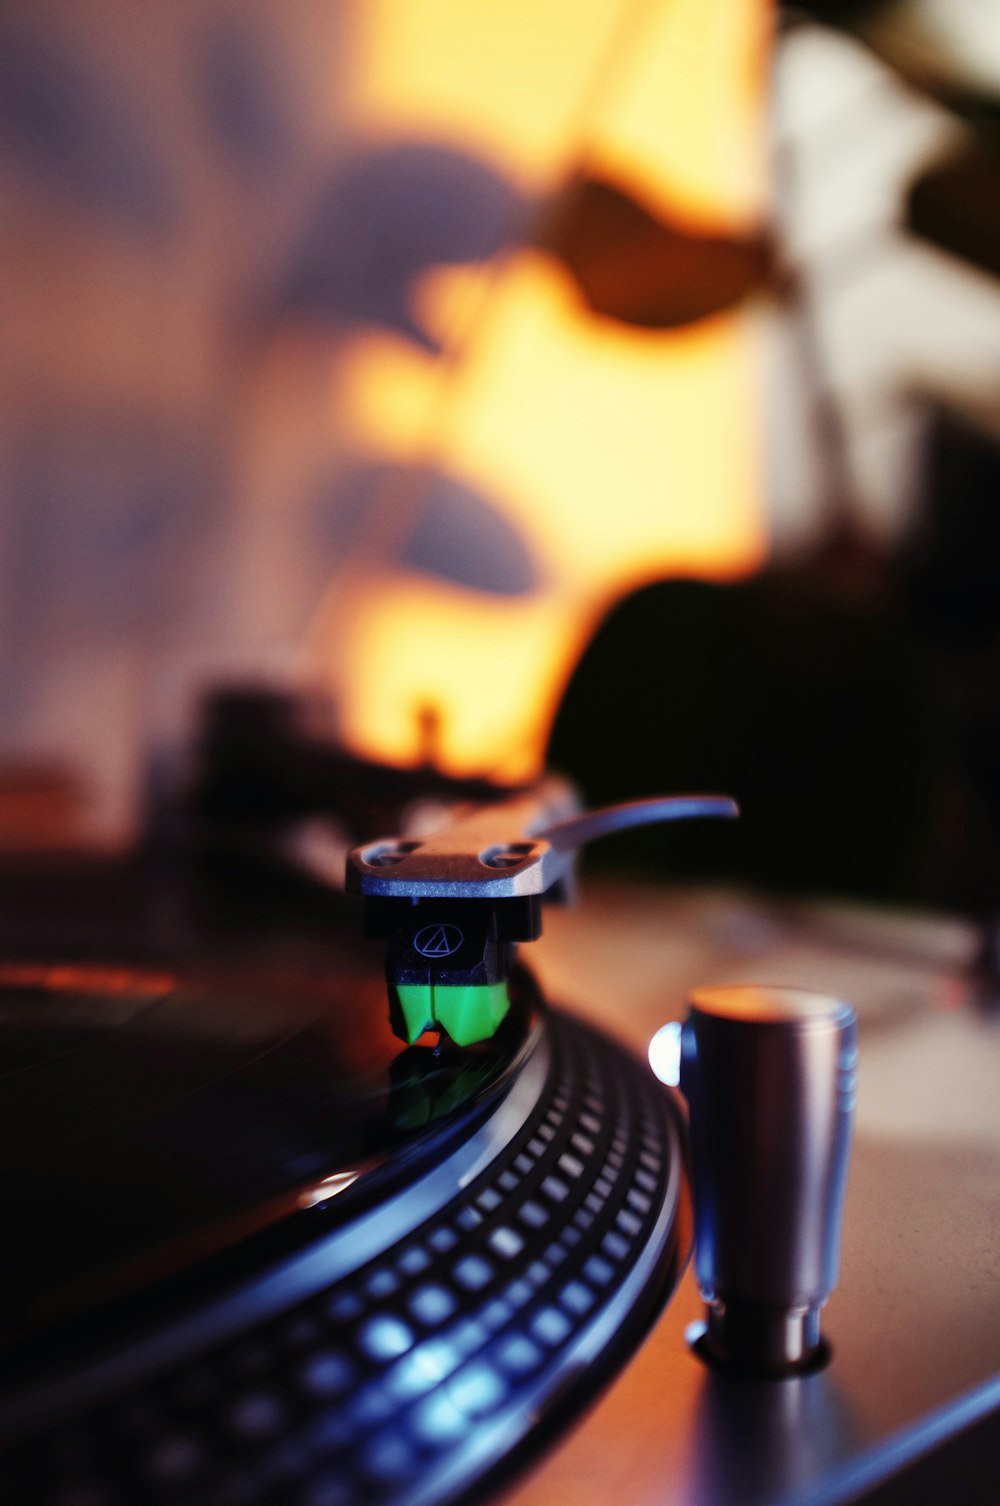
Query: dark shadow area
(810, 706)
(849, 703)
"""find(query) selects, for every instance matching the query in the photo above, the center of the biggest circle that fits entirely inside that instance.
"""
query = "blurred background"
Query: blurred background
(613, 386)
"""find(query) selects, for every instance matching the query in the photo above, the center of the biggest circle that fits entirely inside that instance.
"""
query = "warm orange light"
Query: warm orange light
(77, 978)
(622, 454)
(617, 454)
(684, 114)
(447, 676)
(505, 79)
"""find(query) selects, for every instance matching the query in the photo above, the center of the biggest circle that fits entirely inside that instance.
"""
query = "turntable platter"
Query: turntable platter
(257, 1244)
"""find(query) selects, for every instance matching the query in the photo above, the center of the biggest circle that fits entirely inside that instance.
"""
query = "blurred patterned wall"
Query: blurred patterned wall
(157, 167)
(293, 294)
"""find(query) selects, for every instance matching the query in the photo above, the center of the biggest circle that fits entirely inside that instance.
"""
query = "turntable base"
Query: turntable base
(411, 1325)
(909, 1408)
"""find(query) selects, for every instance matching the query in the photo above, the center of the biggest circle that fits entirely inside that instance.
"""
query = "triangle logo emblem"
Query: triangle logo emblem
(438, 941)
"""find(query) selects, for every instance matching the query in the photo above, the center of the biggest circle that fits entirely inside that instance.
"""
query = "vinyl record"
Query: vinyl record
(258, 1248)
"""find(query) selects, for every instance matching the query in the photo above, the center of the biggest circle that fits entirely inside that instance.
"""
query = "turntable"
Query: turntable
(300, 1214)
(265, 1243)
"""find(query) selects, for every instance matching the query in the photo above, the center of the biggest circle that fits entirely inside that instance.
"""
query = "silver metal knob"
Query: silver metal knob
(769, 1075)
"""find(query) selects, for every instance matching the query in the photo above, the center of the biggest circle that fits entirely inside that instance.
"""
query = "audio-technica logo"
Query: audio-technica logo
(438, 941)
